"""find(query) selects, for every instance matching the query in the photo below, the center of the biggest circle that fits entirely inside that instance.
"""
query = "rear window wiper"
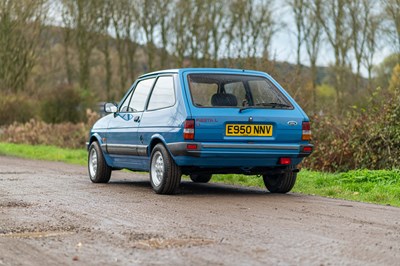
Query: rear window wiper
(273, 105)
(245, 108)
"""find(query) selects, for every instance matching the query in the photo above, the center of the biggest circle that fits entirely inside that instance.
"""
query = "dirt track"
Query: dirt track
(51, 214)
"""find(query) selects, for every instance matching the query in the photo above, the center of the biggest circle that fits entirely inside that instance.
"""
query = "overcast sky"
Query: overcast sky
(283, 47)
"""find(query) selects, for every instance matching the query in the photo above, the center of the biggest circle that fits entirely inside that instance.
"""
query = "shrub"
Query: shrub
(66, 135)
(63, 105)
(16, 107)
(363, 138)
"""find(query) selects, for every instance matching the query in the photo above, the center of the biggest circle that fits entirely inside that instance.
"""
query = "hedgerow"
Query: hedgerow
(367, 137)
(65, 135)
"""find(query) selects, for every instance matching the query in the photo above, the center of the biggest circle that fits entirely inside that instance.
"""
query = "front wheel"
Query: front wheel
(99, 171)
(280, 183)
(165, 175)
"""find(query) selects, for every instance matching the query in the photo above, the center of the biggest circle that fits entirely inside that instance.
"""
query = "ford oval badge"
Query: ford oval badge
(292, 123)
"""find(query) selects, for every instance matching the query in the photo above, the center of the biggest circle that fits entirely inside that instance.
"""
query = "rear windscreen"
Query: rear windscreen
(225, 90)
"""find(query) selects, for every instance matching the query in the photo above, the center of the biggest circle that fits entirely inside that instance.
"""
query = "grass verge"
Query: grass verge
(374, 186)
(47, 153)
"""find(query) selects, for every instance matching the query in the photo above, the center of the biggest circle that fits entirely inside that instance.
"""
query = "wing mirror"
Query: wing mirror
(110, 108)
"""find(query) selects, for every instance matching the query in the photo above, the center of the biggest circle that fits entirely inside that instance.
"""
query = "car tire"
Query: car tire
(99, 171)
(200, 178)
(165, 174)
(280, 183)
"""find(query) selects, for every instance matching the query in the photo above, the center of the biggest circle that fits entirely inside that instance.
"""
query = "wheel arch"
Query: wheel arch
(97, 138)
(157, 139)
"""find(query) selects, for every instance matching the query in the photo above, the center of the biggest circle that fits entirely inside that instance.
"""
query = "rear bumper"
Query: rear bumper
(235, 154)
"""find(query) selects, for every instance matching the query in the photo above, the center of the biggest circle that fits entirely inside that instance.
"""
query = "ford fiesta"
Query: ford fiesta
(200, 122)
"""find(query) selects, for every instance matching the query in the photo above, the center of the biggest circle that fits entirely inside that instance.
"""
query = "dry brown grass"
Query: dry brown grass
(66, 135)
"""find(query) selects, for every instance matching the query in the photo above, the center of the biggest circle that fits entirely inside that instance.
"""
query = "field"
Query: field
(374, 186)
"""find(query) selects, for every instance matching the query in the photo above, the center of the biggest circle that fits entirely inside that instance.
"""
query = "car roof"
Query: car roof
(210, 70)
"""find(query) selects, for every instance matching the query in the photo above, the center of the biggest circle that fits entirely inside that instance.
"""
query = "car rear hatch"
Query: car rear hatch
(232, 112)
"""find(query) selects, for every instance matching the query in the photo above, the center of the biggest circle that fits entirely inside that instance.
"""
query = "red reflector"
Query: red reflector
(307, 149)
(191, 146)
(188, 129)
(306, 127)
(285, 161)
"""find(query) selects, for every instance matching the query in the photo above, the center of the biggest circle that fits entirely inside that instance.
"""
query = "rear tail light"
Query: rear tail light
(285, 161)
(188, 130)
(306, 128)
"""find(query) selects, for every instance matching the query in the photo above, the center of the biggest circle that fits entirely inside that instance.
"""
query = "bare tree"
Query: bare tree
(124, 16)
(105, 22)
(217, 20)
(250, 29)
(165, 11)
(360, 14)
(20, 29)
(298, 8)
(84, 17)
(149, 19)
(195, 30)
(180, 34)
(68, 37)
(334, 19)
(262, 27)
(312, 39)
(392, 11)
(373, 30)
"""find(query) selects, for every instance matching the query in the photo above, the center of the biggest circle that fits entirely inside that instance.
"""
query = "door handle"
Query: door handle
(136, 119)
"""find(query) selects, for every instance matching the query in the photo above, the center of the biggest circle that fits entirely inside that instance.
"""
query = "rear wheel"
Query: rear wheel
(99, 171)
(165, 175)
(200, 178)
(280, 183)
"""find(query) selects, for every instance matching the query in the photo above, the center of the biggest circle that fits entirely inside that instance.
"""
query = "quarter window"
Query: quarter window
(125, 106)
(163, 94)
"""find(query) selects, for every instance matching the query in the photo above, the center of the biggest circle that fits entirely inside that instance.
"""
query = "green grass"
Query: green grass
(374, 186)
(47, 153)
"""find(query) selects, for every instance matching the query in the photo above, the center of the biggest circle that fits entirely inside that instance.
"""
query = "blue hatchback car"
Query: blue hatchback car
(199, 122)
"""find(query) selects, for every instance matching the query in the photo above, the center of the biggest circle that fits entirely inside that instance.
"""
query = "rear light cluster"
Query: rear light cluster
(306, 131)
(188, 130)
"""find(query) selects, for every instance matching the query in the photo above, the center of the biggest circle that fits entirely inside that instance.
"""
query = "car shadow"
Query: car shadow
(215, 189)
(191, 188)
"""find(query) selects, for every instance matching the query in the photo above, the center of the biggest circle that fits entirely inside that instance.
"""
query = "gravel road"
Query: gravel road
(51, 214)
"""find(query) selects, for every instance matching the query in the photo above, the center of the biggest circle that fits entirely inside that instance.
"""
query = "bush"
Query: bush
(63, 105)
(16, 107)
(363, 138)
(66, 135)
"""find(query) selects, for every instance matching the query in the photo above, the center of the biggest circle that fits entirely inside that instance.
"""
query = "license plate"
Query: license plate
(248, 130)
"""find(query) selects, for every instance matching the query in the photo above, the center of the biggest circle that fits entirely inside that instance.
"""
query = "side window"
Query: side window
(140, 95)
(163, 94)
